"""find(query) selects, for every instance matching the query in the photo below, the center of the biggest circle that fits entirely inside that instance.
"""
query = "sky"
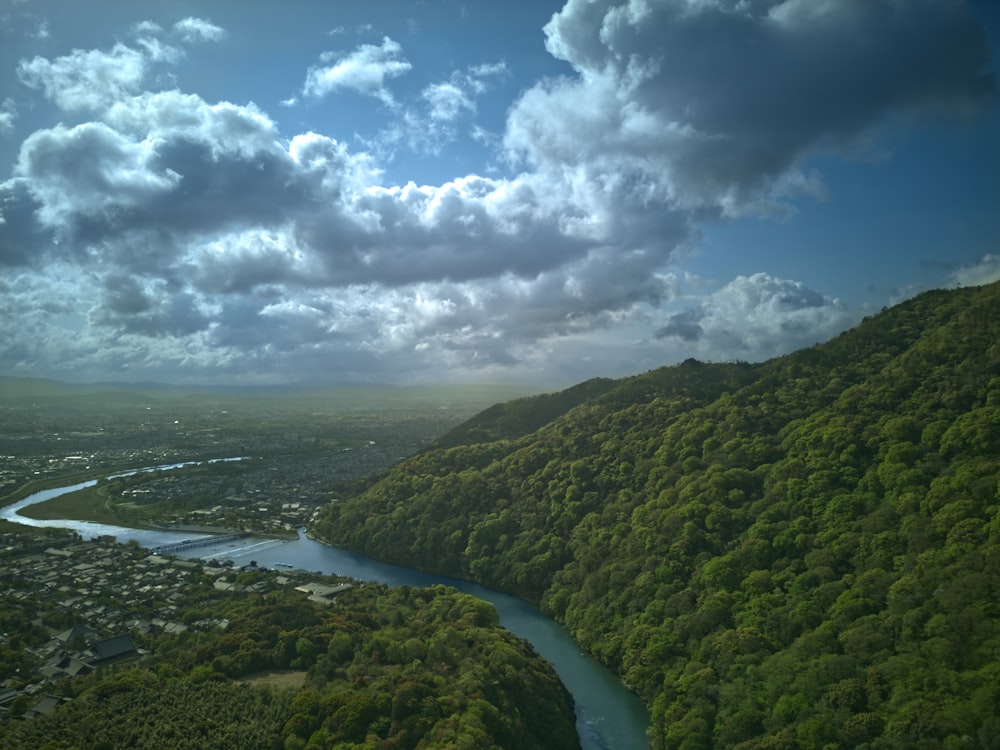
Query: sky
(212, 192)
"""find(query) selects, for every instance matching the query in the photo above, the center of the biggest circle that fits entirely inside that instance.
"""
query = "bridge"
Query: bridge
(201, 542)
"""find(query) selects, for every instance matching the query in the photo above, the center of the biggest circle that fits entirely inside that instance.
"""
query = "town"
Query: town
(323, 438)
(72, 607)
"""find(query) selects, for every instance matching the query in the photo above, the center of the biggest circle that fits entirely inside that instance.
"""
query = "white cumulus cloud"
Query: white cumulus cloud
(986, 271)
(757, 317)
(86, 79)
(8, 114)
(193, 29)
(364, 70)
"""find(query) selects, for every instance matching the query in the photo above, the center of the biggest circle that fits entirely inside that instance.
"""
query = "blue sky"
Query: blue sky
(260, 192)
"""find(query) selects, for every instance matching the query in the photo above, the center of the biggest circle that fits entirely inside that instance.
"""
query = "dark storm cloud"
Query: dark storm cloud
(684, 325)
(123, 296)
(21, 236)
(719, 101)
(127, 307)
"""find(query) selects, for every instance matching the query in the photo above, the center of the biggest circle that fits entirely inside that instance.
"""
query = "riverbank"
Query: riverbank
(34, 486)
(97, 471)
(114, 503)
(610, 717)
(87, 504)
(94, 505)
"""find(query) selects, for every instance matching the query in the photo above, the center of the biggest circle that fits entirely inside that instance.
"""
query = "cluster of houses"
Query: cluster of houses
(107, 597)
(261, 497)
(76, 651)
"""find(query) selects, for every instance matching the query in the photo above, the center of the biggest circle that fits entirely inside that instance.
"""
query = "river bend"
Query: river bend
(609, 717)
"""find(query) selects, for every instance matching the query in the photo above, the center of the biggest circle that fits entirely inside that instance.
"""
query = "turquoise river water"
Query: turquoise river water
(609, 717)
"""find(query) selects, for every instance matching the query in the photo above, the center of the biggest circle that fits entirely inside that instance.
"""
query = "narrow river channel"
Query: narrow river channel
(609, 717)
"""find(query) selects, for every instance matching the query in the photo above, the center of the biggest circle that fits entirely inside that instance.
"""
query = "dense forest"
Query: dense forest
(801, 553)
(379, 668)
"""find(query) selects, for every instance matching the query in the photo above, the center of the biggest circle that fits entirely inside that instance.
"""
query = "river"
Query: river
(609, 717)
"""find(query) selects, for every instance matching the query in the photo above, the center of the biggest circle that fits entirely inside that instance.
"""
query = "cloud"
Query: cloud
(755, 318)
(89, 172)
(86, 79)
(164, 171)
(8, 113)
(194, 30)
(243, 262)
(477, 74)
(155, 310)
(95, 79)
(92, 80)
(364, 70)
(147, 27)
(36, 302)
(158, 51)
(163, 168)
(432, 123)
(986, 271)
(168, 234)
(21, 238)
(717, 104)
(446, 101)
(123, 295)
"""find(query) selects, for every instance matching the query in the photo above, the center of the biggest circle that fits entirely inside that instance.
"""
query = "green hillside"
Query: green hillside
(803, 553)
(514, 419)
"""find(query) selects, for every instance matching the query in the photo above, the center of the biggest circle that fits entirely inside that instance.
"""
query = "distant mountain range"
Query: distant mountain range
(801, 553)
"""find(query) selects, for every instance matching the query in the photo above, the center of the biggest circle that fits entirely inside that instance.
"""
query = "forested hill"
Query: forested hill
(803, 553)
(522, 416)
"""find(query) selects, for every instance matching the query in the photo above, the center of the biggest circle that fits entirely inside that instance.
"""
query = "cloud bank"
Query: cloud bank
(187, 238)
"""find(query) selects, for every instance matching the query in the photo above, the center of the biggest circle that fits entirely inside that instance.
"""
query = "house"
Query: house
(113, 650)
(64, 665)
(46, 705)
(81, 631)
(321, 592)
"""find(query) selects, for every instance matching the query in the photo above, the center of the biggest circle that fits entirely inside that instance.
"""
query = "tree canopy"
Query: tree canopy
(800, 553)
(379, 668)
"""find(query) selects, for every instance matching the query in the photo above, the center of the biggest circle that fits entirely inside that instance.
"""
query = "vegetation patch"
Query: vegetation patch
(388, 668)
(802, 553)
(89, 504)
(282, 678)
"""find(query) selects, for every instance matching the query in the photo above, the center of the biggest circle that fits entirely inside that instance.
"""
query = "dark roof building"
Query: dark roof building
(113, 650)
(77, 630)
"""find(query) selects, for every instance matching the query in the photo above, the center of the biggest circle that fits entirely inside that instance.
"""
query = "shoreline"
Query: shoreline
(81, 511)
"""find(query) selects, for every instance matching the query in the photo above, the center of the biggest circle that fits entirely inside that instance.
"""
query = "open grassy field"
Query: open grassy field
(88, 504)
